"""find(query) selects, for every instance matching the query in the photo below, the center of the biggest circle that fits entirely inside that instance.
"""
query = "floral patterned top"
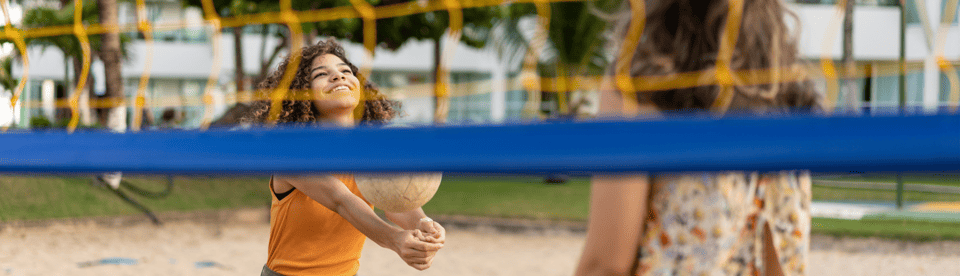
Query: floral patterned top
(710, 223)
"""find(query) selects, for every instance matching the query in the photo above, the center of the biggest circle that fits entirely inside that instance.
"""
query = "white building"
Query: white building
(182, 61)
(876, 42)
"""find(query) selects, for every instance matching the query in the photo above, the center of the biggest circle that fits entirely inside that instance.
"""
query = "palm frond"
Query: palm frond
(578, 37)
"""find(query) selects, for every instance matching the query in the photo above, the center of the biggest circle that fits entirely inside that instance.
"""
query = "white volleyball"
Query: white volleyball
(398, 192)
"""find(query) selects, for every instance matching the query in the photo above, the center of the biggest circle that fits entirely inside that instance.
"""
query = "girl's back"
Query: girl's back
(705, 223)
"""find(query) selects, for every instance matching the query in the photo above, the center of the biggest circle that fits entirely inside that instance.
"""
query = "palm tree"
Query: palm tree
(575, 44)
(68, 44)
(110, 55)
(851, 97)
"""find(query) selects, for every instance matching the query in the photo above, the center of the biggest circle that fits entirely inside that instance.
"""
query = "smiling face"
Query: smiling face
(336, 89)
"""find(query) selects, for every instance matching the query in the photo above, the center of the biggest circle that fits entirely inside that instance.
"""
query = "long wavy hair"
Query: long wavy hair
(297, 109)
(684, 36)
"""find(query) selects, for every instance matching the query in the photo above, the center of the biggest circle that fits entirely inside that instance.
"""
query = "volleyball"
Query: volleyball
(398, 192)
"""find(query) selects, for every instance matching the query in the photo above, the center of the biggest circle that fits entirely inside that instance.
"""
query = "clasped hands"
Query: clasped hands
(419, 246)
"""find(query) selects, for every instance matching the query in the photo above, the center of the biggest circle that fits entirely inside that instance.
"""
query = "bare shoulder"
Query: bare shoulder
(280, 184)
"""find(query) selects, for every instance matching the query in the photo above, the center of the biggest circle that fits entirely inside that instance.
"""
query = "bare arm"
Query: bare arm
(618, 205)
(408, 219)
(333, 194)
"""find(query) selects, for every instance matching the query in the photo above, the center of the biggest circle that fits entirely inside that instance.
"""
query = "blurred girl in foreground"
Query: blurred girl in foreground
(704, 223)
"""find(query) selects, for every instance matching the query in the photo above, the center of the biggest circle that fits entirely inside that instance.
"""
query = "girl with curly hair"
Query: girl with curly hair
(318, 223)
(704, 223)
(376, 108)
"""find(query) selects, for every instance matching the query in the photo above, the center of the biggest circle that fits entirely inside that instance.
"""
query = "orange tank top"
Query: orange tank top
(307, 238)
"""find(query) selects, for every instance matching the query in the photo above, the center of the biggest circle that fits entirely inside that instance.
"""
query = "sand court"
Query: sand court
(238, 247)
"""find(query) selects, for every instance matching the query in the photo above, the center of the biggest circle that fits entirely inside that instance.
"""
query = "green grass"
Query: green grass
(852, 194)
(891, 229)
(32, 197)
(516, 197)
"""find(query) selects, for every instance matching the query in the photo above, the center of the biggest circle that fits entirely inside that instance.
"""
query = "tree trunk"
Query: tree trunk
(244, 86)
(441, 104)
(66, 70)
(265, 63)
(110, 54)
(309, 38)
(261, 56)
(239, 75)
(67, 86)
(850, 95)
(84, 103)
(563, 104)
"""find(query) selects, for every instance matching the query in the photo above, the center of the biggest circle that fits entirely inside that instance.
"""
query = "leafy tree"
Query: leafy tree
(477, 28)
(392, 33)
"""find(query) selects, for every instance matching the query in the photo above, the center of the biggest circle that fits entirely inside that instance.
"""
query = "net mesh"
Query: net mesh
(529, 79)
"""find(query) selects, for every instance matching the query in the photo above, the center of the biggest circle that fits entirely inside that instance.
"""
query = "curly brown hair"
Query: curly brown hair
(296, 109)
(684, 36)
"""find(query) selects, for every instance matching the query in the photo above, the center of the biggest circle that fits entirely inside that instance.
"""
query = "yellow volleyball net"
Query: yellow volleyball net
(529, 77)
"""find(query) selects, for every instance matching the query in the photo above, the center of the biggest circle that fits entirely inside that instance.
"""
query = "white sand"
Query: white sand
(239, 247)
